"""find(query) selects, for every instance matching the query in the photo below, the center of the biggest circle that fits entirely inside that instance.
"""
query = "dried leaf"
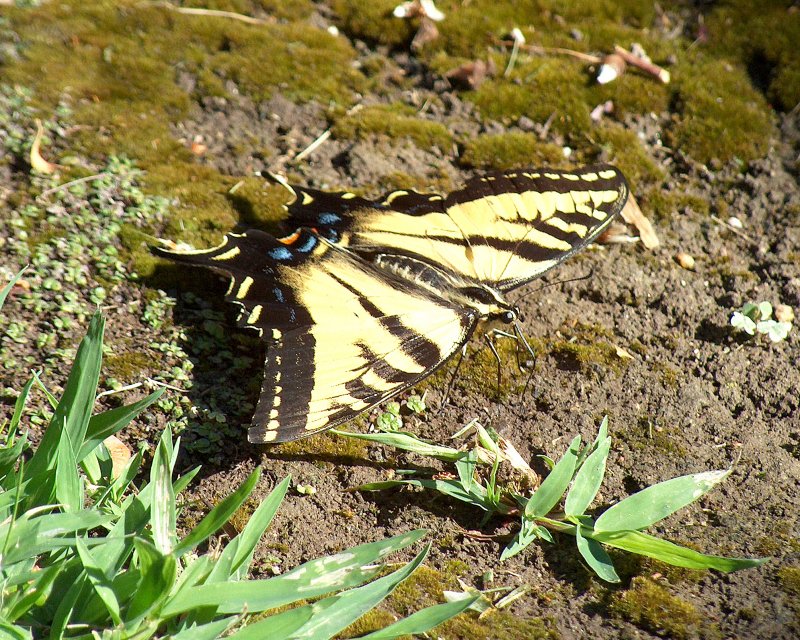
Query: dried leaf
(38, 163)
(632, 214)
(120, 454)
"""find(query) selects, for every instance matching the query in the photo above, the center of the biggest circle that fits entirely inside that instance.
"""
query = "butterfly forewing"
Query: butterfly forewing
(502, 229)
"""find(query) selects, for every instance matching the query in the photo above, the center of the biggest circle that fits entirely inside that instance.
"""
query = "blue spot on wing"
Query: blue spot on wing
(280, 253)
(308, 245)
(329, 218)
(278, 295)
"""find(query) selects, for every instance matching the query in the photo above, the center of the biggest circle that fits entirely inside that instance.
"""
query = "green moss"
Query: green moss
(126, 366)
(623, 148)
(393, 121)
(544, 88)
(665, 205)
(720, 116)
(653, 608)
(669, 374)
(442, 183)
(585, 346)
(509, 150)
(369, 622)
(325, 447)
(426, 587)
(372, 20)
(767, 47)
(117, 65)
(789, 580)
(645, 436)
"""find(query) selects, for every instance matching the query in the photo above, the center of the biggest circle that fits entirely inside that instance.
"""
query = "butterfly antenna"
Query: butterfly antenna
(547, 285)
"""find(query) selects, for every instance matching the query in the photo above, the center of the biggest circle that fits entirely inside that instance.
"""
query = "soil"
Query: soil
(693, 396)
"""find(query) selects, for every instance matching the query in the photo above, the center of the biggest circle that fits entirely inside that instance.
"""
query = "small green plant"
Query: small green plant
(575, 479)
(755, 318)
(85, 554)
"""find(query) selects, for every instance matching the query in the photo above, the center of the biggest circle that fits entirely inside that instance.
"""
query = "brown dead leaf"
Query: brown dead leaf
(38, 163)
(470, 75)
(632, 214)
(120, 454)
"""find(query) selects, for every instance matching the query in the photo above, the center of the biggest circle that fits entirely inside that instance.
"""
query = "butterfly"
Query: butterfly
(365, 298)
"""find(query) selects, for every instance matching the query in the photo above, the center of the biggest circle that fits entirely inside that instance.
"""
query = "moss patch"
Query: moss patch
(425, 588)
(721, 116)
(393, 121)
(653, 608)
(509, 150)
(767, 47)
(789, 578)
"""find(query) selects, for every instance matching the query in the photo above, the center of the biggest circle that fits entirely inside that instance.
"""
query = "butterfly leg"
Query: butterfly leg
(521, 338)
(488, 338)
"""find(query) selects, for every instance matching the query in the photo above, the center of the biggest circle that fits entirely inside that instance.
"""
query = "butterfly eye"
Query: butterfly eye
(508, 317)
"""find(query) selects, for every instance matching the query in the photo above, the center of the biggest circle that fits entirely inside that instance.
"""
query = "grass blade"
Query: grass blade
(237, 555)
(596, 557)
(652, 547)
(325, 618)
(588, 480)
(103, 587)
(158, 573)
(75, 408)
(219, 515)
(424, 620)
(655, 503)
(555, 484)
(7, 289)
(162, 509)
(314, 578)
(110, 422)
(68, 483)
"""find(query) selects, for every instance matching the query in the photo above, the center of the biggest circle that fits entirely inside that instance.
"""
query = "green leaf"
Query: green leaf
(68, 484)
(669, 552)
(158, 574)
(774, 330)
(219, 515)
(75, 408)
(310, 580)
(555, 484)
(588, 480)
(19, 406)
(236, 557)
(423, 621)
(325, 618)
(162, 509)
(406, 442)
(528, 532)
(110, 422)
(209, 631)
(596, 557)
(99, 580)
(7, 289)
(14, 632)
(655, 503)
(743, 322)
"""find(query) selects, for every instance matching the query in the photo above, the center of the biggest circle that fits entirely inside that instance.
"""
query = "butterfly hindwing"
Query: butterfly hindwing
(502, 229)
(342, 334)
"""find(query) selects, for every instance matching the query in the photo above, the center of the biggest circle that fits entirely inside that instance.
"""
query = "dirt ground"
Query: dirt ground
(693, 396)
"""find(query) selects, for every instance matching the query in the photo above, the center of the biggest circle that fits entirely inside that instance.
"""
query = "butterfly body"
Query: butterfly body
(366, 298)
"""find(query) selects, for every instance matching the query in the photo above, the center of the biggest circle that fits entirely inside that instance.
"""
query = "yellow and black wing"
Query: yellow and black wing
(502, 229)
(342, 335)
